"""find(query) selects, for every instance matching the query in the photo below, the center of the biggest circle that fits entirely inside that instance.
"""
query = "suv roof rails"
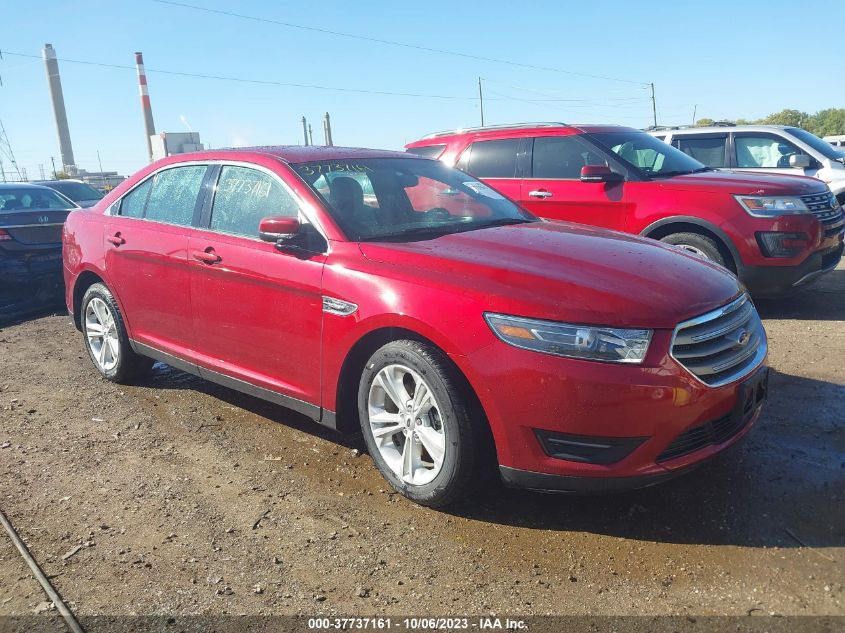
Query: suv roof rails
(723, 124)
(661, 128)
(484, 128)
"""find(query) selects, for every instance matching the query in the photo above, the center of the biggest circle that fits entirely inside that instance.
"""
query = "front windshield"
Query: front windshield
(647, 154)
(77, 191)
(822, 147)
(405, 199)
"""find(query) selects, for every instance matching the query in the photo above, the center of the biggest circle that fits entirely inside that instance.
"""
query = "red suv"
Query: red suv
(392, 294)
(776, 233)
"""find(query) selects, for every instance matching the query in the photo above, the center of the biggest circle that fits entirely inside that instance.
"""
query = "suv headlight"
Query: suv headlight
(589, 342)
(769, 207)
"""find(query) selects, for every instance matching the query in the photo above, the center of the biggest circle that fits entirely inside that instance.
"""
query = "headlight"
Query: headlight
(766, 207)
(577, 341)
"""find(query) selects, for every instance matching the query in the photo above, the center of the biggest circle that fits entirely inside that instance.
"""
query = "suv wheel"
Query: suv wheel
(106, 339)
(700, 245)
(417, 423)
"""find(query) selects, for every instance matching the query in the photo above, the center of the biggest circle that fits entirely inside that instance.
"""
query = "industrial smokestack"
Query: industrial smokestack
(56, 96)
(305, 130)
(149, 126)
(327, 128)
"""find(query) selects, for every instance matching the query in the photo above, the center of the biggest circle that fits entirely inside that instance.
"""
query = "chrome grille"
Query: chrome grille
(824, 207)
(723, 345)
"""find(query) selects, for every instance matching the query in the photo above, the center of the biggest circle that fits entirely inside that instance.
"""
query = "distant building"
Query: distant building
(170, 143)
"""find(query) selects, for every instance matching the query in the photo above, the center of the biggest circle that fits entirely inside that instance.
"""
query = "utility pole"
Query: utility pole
(102, 174)
(694, 110)
(53, 160)
(481, 101)
(310, 135)
(41, 170)
(305, 130)
(653, 104)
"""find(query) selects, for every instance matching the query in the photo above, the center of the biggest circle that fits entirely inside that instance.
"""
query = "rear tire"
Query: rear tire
(428, 445)
(697, 244)
(106, 339)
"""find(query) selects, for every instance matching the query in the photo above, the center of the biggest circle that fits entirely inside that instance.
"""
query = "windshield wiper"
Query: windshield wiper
(443, 229)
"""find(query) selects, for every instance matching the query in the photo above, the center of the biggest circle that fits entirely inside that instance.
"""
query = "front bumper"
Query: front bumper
(530, 396)
(779, 281)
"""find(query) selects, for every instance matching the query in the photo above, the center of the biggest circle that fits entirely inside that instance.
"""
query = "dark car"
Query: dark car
(81, 193)
(31, 219)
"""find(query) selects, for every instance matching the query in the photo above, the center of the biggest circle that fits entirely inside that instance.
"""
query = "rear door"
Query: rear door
(709, 149)
(257, 312)
(553, 187)
(147, 257)
(498, 162)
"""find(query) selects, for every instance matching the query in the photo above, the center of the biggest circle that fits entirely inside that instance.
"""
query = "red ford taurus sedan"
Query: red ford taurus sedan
(393, 294)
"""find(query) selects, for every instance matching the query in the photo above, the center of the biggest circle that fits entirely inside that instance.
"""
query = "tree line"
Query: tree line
(828, 122)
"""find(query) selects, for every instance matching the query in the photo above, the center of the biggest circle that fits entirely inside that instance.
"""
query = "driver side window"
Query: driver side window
(244, 196)
(763, 151)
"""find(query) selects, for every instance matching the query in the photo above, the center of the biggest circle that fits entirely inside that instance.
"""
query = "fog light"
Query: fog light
(775, 244)
(587, 449)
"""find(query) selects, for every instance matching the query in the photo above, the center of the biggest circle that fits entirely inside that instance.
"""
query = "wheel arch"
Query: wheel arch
(84, 280)
(353, 364)
(686, 224)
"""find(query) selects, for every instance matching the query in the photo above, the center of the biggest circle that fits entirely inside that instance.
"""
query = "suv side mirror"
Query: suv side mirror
(600, 173)
(799, 161)
(278, 229)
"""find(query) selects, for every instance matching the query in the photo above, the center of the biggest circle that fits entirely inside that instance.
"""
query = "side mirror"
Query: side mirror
(799, 161)
(278, 229)
(599, 173)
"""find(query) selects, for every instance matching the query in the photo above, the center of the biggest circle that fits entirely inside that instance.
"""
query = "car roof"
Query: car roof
(723, 129)
(516, 130)
(58, 181)
(22, 185)
(295, 153)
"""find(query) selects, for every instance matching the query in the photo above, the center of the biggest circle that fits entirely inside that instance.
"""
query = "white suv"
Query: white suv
(776, 149)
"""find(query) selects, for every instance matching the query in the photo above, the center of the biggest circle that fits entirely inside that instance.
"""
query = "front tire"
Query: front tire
(697, 244)
(106, 339)
(418, 423)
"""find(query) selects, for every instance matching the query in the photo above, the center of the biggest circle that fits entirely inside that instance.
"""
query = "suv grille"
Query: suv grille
(723, 345)
(824, 207)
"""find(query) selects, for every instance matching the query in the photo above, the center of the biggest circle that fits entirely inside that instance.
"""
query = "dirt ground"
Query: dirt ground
(176, 496)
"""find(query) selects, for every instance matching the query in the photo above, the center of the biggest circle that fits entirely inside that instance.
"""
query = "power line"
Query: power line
(264, 82)
(418, 47)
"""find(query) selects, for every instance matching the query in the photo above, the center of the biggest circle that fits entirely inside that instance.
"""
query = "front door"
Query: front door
(257, 311)
(146, 243)
(554, 189)
(769, 153)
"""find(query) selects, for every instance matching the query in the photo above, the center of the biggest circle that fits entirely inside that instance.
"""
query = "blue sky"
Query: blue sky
(742, 58)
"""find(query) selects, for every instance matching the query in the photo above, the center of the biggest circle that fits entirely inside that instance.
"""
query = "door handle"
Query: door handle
(540, 193)
(116, 239)
(208, 256)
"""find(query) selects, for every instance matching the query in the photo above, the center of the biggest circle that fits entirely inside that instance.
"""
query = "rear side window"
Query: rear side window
(244, 196)
(710, 151)
(562, 157)
(174, 195)
(429, 151)
(491, 159)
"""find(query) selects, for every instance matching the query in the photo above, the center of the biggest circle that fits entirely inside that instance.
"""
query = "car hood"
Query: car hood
(568, 272)
(739, 182)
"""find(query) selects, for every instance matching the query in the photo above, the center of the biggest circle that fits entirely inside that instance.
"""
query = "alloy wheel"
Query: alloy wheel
(101, 334)
(406, 424)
